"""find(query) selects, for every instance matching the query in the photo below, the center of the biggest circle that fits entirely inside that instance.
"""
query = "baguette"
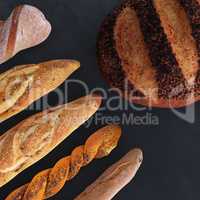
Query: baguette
(49, 182)
(114, 178)
(26, 27)
(35, 137)
(21, 86)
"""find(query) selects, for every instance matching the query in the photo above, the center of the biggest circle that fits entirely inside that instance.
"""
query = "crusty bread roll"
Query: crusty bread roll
(26, 27)
(150, 50)
(49, 182)
(35, 137)
(22, 85)
(114, 178)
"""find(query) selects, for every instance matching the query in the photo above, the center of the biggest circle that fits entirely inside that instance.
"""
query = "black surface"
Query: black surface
(171, 149)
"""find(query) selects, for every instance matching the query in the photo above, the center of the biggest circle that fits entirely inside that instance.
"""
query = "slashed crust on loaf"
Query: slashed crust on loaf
(154, 46)
(25, 27)
(179, 33)
(22, 85)
(114, 178)
(36, 136)
(13, 85)
(134, 55)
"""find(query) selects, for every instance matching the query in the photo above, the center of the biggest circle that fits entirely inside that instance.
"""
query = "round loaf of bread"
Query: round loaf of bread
(150, 50)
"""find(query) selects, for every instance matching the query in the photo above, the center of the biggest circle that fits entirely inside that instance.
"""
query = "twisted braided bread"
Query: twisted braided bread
(50, 181)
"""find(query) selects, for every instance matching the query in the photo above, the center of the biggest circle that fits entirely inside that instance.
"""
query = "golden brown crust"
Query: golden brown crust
(114, 178)
(179, 33)
(21, 86)
(134, 55)
(35, 137)
(16, 33)
(169, 32)
(49, 182)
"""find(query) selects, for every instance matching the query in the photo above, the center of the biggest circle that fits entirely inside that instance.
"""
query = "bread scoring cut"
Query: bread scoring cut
(134, 55)
(154, 46)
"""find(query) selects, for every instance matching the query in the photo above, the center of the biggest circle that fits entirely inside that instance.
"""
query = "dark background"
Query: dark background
(171, 150)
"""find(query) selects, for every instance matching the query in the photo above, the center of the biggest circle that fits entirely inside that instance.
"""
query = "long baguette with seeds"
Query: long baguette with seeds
(35, 137)
(150, 50)
(26, 27)
(22, 85)
(49, 182)
(114, 178)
